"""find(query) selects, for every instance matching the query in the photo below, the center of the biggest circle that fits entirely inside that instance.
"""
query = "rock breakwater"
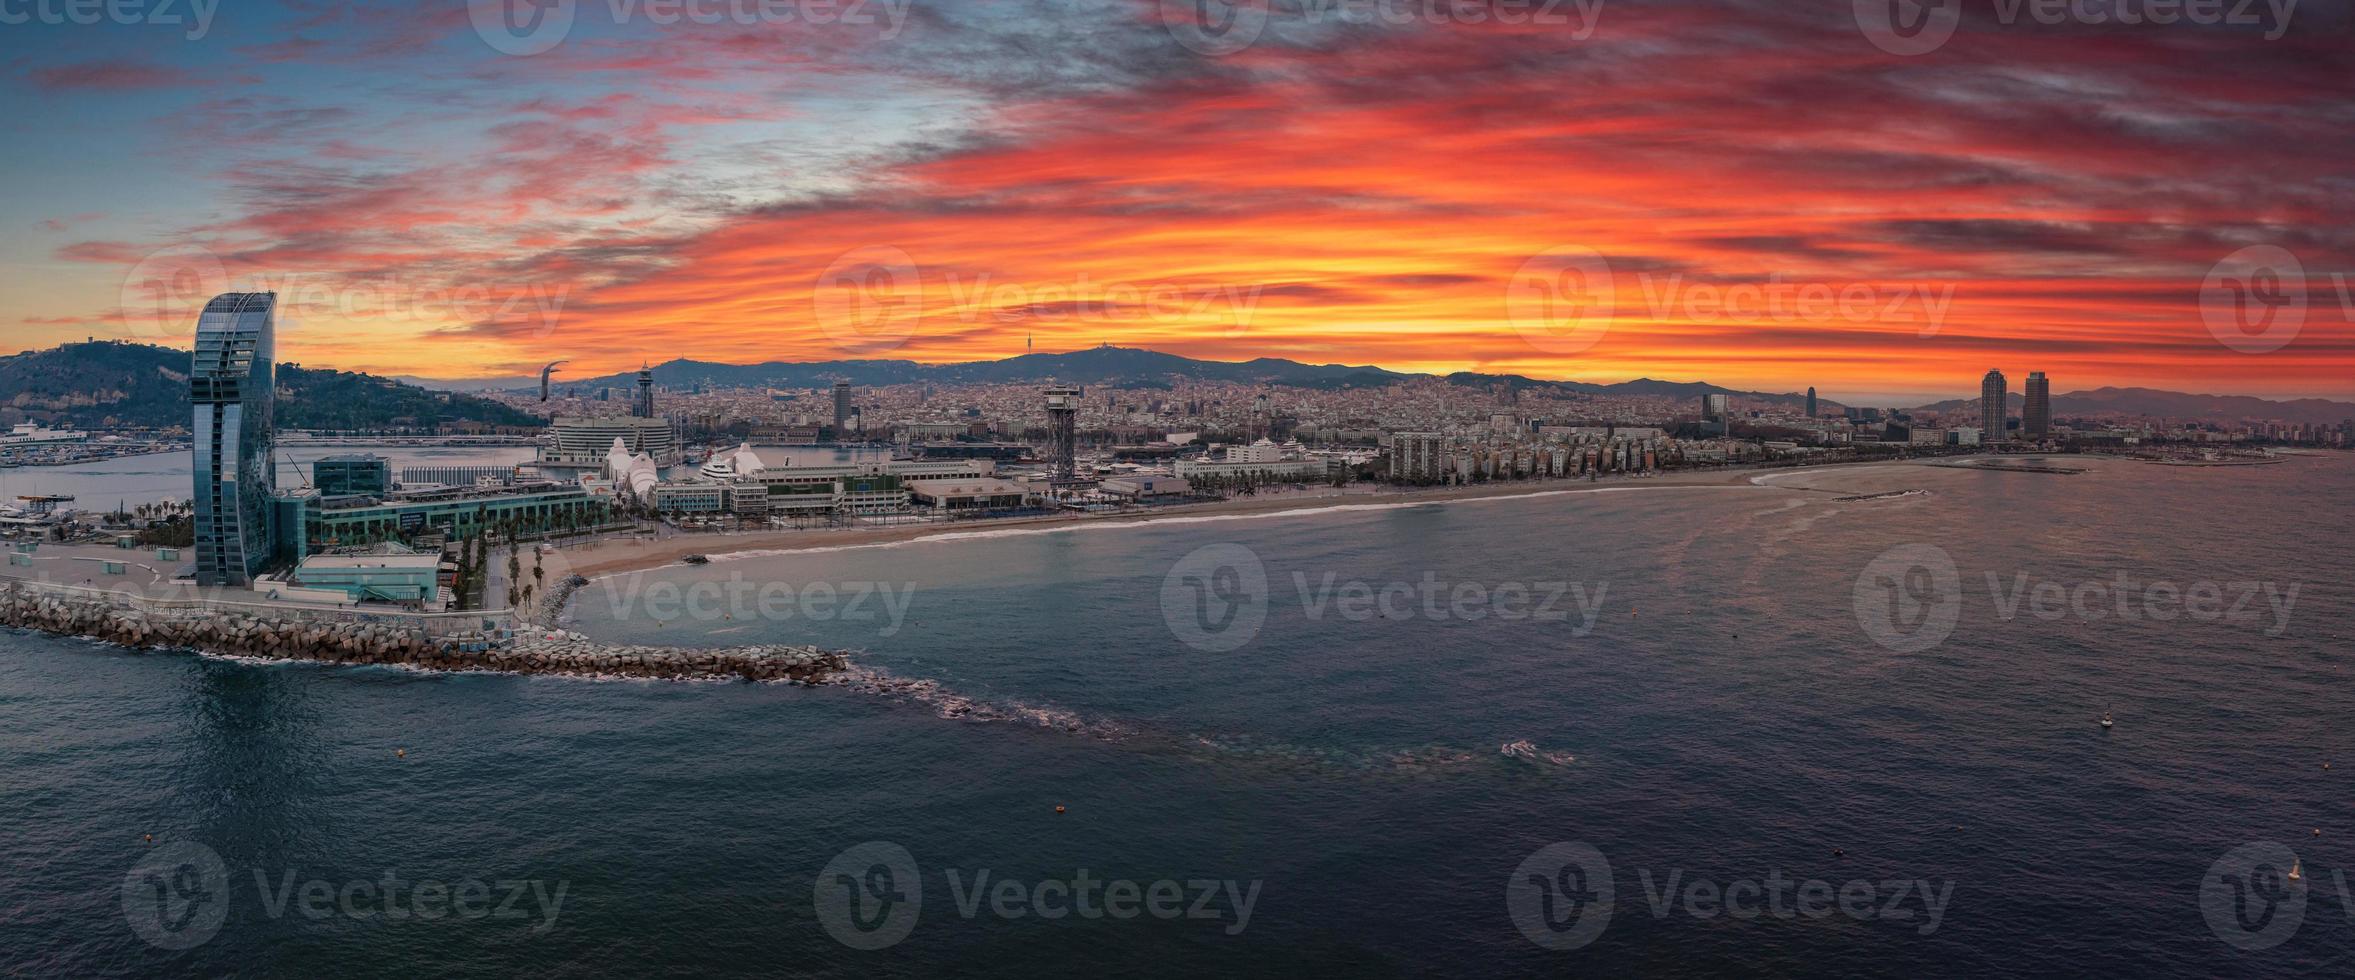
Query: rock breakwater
(524, 651)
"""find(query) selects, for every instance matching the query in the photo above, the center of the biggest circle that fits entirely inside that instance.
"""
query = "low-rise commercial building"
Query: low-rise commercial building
(969, 494)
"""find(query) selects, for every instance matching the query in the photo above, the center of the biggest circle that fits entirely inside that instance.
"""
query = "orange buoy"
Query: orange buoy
(401, 753)
(1058, 808)
(150, 838)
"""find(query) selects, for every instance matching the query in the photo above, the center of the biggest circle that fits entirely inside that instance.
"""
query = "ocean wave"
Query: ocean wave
(1528, 751)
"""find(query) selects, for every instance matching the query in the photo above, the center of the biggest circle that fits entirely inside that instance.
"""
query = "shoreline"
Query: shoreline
(623, 557)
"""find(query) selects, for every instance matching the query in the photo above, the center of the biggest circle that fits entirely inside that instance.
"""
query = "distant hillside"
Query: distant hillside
(1125, 367)
(105, 384)
(2155, 403)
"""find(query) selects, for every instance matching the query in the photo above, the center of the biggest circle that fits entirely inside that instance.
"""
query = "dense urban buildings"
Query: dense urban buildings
(233, 386)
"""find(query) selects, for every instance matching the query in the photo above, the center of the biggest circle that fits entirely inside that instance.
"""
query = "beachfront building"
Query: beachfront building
(412, 578)
(690, 498)
(232, 386)
(2036, 413)
(966, 495)
(455, 511)
(1296, 470)
(1994, 406)
(1418, 456)
(1143, 489)
(352, 474)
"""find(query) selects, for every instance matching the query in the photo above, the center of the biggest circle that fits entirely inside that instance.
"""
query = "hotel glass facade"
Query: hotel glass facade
(232, 386)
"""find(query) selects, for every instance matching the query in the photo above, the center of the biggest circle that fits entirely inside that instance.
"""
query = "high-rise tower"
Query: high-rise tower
(644, 406)
(232, 385)
(1994, 405)
(1810, 401)
(1063, 432)
(841, 410)
(2036, 415)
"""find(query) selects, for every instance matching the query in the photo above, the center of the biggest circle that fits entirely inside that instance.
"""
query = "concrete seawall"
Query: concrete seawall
(127, 620)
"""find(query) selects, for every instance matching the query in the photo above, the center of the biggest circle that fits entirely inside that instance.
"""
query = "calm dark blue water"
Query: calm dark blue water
(1758, 699)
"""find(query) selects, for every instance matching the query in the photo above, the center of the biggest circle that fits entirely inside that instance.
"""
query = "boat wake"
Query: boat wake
(945, 703)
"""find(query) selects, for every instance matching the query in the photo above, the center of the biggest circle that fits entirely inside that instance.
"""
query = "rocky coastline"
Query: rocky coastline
(524, 650)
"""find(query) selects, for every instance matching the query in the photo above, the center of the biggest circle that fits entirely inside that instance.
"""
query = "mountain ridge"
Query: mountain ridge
(120, 384)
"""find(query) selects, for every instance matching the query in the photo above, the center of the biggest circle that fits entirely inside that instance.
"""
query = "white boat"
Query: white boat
(728, 464)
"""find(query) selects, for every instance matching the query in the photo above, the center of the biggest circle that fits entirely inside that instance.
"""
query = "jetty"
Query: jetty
(482, 645)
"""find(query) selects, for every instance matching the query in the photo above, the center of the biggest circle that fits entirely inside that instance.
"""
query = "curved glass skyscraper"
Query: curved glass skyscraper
(233, 384)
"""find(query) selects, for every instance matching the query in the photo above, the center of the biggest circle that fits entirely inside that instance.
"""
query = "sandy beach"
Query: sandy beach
(615, 556)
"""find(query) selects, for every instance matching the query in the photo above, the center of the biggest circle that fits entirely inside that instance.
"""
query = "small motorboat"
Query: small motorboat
(696, 560)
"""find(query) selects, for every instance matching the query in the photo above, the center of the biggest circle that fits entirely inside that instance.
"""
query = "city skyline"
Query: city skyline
(434, 206)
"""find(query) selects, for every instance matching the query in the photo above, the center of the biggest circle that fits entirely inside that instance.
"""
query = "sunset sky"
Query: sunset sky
(1757, 194)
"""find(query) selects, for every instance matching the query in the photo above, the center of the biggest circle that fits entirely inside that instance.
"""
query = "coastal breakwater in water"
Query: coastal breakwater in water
(124, 620)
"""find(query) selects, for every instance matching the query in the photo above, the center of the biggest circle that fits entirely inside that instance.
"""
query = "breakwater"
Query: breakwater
(129, 621)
